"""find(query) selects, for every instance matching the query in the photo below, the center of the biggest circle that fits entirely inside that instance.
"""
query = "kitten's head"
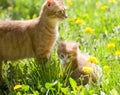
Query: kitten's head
(54, 9)
(67, 51)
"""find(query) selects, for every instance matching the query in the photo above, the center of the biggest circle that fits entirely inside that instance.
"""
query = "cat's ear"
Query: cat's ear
(75, 46)
(49, 3)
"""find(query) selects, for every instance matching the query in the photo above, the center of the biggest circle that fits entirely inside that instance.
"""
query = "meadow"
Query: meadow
(94, 24)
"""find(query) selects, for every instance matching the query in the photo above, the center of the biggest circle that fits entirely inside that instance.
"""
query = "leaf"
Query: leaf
(64, 90)
(39, 85)
(25, 87)
(60, 85)
(35, 93)
(43, 90)
(19, 93)
(73, 83)
(48, 85)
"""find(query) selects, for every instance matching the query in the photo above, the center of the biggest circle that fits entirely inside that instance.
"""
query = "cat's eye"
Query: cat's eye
(61, 56)
(60, 12)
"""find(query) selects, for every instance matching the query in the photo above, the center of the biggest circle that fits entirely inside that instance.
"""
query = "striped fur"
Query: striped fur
(31, 38)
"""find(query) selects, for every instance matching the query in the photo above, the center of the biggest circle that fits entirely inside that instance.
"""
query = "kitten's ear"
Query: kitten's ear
(49, 3)
(75, 46)
(60, 45)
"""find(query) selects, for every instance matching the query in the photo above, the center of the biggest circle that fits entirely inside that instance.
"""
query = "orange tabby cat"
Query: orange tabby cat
(68, 52)
(31, 38)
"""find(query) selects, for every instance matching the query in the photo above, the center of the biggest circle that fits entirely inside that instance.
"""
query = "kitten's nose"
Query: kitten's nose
(63, 61)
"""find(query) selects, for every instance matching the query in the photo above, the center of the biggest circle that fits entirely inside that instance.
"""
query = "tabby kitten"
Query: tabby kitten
(31, 38)
(68, 52)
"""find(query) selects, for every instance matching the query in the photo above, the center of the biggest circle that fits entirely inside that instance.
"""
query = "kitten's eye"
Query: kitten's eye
(61, 56)
(69, 56)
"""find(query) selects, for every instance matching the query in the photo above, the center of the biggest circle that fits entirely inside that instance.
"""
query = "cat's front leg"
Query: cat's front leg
(43, 59)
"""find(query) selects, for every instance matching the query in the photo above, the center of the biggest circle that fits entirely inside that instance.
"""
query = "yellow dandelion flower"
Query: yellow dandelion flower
(104, 7)
(10, 8)
(79, 21)
(92, 59)
(111, 45)
(85, 15)
(112, 1)
(17, 86)
(87, 69)
(117, 53)
(106, 67)
(98, 3)
(69, 2)
(73, 19)
(89, 30)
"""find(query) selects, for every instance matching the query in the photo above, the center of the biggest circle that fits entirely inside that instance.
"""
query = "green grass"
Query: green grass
(49, 78)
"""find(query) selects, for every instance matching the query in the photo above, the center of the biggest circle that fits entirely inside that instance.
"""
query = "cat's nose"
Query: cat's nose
(65, 16)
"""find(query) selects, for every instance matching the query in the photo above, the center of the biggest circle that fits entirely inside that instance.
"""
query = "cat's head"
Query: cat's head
(67, 51)
(54, 9)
